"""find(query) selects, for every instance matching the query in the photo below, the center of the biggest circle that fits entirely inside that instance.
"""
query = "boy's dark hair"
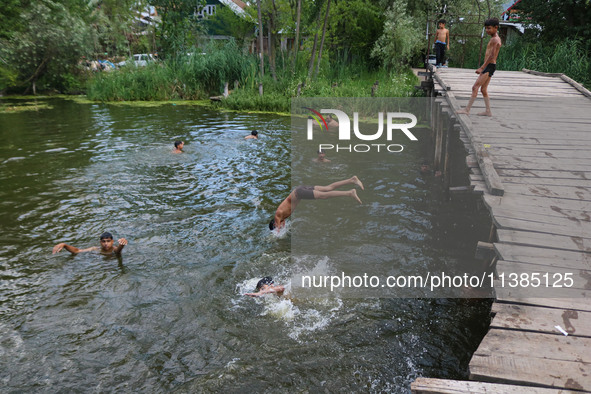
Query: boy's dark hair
(272, 224)
(255, 133)
(494, 22)
(441, 21)
(267, 280)
(321, 151)
(106, 235)
(177, 143)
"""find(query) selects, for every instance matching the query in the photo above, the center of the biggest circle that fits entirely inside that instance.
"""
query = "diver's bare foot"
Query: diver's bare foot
(357, 182)
(485, 113)
(354, 195)
(463, 111)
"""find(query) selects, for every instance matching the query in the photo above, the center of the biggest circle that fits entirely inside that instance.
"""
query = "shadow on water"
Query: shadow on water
(170, 314)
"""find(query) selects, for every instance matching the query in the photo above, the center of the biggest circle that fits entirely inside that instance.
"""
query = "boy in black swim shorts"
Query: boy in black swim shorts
(487, 69)
(312, 193)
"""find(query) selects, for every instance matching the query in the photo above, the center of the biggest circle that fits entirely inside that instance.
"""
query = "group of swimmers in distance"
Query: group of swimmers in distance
(284, 211)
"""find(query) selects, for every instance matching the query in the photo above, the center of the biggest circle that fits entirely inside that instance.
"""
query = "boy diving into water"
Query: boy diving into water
(288, 205)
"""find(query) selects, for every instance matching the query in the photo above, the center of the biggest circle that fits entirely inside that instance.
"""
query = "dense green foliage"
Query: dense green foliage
(558, 19)
(47, 47)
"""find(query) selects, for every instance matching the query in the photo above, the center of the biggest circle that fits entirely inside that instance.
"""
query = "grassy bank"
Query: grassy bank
(199, 76)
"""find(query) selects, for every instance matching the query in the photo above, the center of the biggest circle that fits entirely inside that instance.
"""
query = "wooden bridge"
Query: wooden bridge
(531, 161)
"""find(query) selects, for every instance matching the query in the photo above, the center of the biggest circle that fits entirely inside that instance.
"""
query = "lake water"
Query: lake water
(170, 314)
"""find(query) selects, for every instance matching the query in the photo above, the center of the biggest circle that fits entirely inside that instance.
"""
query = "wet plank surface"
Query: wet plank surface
(538, 141)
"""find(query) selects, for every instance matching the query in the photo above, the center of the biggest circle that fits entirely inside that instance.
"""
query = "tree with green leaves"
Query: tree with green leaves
(48, 47)
(354, 28)
(179, 29)
(558, 19)
(113, 24)
(402, 37)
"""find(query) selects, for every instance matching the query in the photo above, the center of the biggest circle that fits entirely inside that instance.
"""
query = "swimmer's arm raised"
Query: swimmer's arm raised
(122, 242)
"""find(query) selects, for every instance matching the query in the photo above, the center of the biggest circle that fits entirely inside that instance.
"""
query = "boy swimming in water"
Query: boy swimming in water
(321, 157)
(253, 135)
(267, 286)
(178, 146)
(106, 247)
(288, 205)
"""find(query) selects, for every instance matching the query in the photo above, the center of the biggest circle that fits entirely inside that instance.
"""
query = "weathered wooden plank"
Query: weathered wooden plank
(537, 280)
(520, 202)
(540, 164)
(568, 127)
(511, 223)
(506, 295)
(544, 320)
(498, 151)
(446, 386)
(531, 371)
(509, 144)
(551, 182)
(576, 221)
(552, 241)
(534, 255)
(528, 180)
(463, 92)
(566, 174)
(460, 82)
(581, 193)
(576, 85)
(508, 161)
(537, 346)
(533, 141)
(540, 73)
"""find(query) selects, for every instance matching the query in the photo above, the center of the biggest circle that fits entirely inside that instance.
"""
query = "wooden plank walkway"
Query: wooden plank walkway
(538, 192)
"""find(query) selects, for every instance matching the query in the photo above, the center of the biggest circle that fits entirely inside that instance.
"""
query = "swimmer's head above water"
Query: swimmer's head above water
(272, 224)
(106, 235)
(255, 133)
(267, 280)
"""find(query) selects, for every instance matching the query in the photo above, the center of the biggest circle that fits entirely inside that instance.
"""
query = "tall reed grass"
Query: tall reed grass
(569, 57)
(201, 75)
(191, 77)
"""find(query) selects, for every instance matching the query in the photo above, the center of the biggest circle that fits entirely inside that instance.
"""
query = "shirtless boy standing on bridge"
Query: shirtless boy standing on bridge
(487, 69)
(312, 193)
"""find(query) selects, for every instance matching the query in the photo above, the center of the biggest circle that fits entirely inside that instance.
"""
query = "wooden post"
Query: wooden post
(299, 90)
(447, 166)
(438, 137)
(446, 177)
(226, 90)
(493, 232)
(374, 88)
(236, 84)
(260, 88)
